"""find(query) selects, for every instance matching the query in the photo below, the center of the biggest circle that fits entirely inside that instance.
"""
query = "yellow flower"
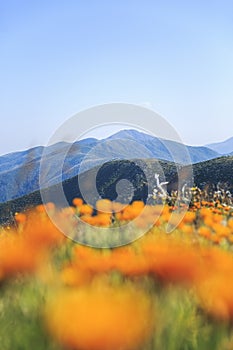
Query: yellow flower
(100, 317)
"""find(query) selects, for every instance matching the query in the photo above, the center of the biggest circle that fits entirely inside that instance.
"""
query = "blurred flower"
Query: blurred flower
(85, 209)
(100, 317)
(77, 202)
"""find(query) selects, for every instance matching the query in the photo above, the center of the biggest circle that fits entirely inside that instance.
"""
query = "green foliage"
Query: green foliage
(21, 325)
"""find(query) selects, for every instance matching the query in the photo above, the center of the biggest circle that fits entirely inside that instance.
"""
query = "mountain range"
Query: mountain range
(206, 175)
(223, 148)
(19, 171)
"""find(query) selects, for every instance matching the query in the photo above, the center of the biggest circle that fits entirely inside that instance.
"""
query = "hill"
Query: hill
(108, 176)
(136, 172)
(212, 172)
(19, 172)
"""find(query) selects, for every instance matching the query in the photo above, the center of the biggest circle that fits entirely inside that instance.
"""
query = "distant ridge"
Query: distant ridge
(225, 147)
(159, 147)
(19, 172)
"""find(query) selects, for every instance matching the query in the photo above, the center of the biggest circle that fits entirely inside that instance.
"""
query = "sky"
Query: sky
(60, 57)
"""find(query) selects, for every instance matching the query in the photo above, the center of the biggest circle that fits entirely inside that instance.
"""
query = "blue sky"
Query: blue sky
(60, 57)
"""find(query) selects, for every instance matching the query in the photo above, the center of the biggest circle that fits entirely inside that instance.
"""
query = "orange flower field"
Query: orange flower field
(163, 290)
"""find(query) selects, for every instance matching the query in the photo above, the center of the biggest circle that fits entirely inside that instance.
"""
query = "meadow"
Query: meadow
(162, 291)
